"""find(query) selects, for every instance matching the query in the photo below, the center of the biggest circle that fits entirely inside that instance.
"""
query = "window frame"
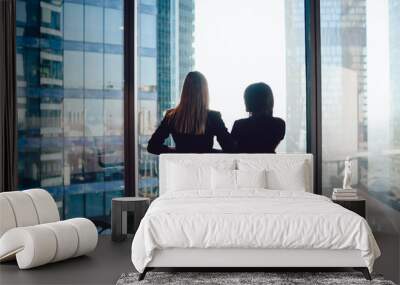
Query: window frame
(313, 93)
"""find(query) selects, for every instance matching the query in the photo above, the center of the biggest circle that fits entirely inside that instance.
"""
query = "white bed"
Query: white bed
(215, 211)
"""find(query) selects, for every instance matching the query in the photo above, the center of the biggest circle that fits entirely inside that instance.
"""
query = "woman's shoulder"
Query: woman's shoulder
(250, 121)
(214, 114)
(278, 120)
(241, 121)
(169, 112)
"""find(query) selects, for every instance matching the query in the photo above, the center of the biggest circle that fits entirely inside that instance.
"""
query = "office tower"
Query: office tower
(166, 36)
(344, 79)
(147, 95)
(168, 54)
(186, 39)
(69, 94)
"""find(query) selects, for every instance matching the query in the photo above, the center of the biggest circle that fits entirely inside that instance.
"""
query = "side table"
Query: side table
(120, 208)
(357, 205)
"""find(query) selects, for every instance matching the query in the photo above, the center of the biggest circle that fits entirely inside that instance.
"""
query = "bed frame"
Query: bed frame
(242, 259)
(245, 259)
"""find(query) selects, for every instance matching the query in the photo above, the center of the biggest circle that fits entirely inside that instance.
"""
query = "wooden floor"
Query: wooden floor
(110, 259)
(103, 266)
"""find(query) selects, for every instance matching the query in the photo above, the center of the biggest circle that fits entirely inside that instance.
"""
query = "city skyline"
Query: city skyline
(70, 99)
(70, 82)
(166, 55)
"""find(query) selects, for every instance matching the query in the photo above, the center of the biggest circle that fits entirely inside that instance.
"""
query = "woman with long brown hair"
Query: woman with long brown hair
(191, 124)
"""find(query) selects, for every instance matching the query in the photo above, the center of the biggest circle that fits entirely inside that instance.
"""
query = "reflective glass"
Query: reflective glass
(259, 41)
(73, 69)
(94, 70)
(148, 33)
(73, 27)
(94, 24)
(70, 102)
(360, 56)
(113, 26)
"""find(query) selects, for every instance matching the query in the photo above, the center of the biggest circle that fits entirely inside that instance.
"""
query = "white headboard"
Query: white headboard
(212, 159)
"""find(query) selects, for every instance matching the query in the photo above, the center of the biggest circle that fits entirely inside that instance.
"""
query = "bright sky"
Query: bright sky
(236, 45)
(378, 74)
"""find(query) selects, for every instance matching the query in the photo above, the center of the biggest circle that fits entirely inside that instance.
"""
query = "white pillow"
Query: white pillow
(223, 179)
(251, 178)
(282, 173)
(182, 177)
(294, 181)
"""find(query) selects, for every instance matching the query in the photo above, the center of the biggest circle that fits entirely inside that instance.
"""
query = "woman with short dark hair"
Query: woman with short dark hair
(261, 132)
(192, 125)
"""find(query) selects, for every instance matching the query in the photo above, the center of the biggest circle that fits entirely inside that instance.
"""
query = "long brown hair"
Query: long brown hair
(190, 116)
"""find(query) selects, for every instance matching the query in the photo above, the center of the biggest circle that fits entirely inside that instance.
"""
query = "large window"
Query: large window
(259, 41)
(70, 102)
(360, 56)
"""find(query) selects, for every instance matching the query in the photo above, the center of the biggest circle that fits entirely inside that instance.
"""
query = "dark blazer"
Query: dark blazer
(188, 143)
(258, 134)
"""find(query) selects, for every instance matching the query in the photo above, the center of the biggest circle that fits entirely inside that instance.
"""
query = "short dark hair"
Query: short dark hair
(258, 98)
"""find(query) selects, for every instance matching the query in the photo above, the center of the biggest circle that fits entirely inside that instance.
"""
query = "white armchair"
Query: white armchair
(31, 230)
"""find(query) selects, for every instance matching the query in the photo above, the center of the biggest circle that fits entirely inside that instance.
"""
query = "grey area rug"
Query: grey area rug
(225, 278)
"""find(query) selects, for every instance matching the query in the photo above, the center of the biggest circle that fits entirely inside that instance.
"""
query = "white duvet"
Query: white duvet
(250, 219)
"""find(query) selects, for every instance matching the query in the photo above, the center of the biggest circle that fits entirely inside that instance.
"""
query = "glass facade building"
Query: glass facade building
(360, 112)
(70, 102)
(344, 87)
(70, 92)
(166, 55)
(360, 100)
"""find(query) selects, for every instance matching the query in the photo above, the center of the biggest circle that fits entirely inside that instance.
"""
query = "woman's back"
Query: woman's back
(191, 123)
(191, 142)
(258, 134)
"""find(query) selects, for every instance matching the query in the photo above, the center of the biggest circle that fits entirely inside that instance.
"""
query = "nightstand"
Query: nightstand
(357, 205)
(120, 206)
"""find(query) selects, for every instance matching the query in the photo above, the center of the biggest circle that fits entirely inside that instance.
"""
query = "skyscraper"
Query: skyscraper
(344, 80)
(147, 94)
(186, 38)
(69, 78)
(166, 36)
(344, 73)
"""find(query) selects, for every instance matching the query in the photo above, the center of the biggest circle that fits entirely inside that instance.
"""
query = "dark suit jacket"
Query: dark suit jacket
(188, 143)
(258, 134)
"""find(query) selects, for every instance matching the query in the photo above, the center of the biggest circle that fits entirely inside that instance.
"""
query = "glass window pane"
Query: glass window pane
(69, 94)
(113, 26)
(176, 37)
(94, 117)
(360, 56)
(114, 117)
(73, 22)
(148, 2)
(73, 69)
(94, 70)
(93, 24)
(113, 68)
(73, 165)
(148, 32)
(148, 73)
(73, 117)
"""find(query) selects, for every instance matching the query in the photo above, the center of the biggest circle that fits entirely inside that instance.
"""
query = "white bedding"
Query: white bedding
(250, 218)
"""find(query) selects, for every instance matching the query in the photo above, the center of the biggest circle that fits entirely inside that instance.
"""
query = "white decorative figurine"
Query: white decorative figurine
(347, 174)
